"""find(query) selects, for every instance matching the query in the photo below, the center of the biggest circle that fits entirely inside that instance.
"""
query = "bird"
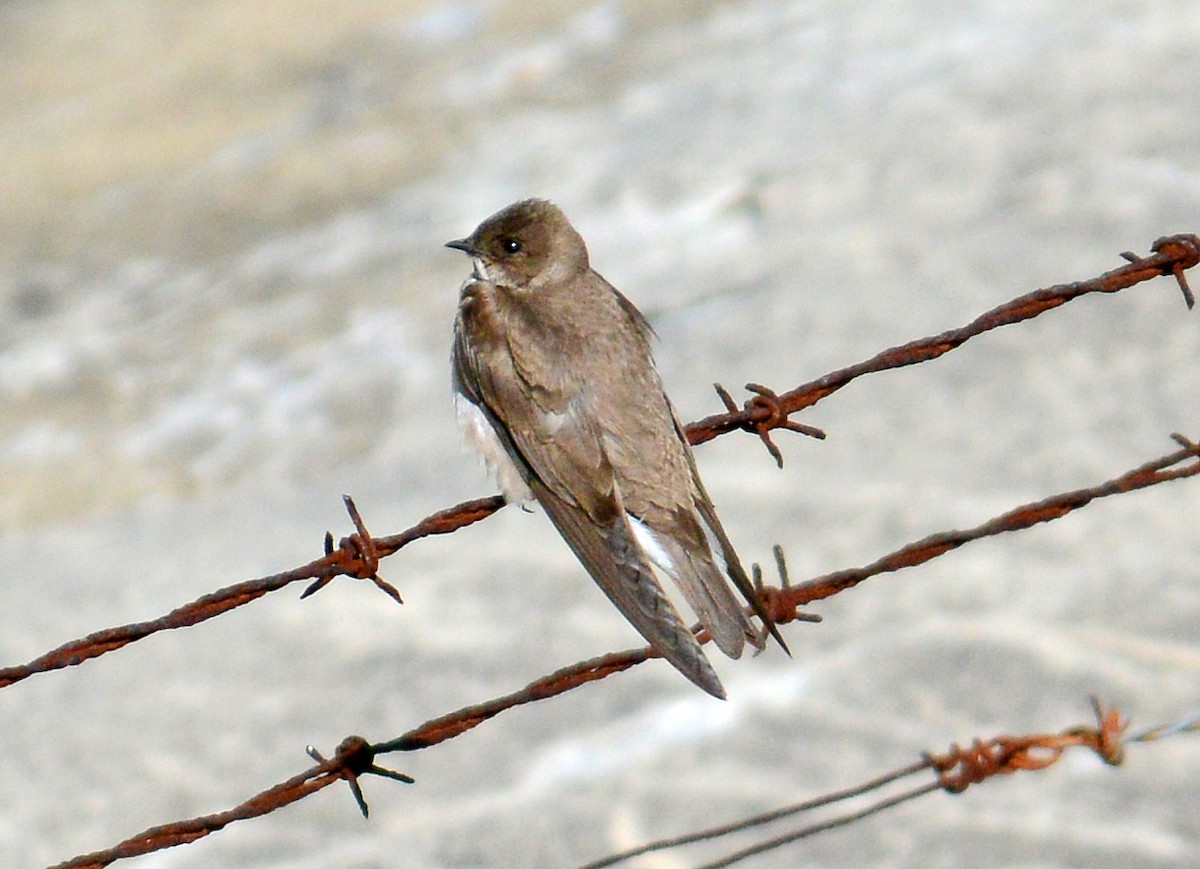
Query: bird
(555, 385)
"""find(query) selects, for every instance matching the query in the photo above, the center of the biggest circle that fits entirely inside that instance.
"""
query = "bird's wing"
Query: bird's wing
(611, 555)
(680, 548)
(562, 456)
(677, 523)
(714, 531)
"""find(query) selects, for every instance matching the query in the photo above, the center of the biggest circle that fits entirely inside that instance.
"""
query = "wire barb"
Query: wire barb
(1187, 443)
(357, 555)
(355, 757)
(776, 600)
(1183, 252)
(764, 412)
(959, 768)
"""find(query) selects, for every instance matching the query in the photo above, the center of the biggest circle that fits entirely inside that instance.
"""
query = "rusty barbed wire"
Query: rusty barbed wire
(782, 603)
(357, 555)
(979, 761)
(354, 758)
(353, 557)
(956, 769)
(1172, 255)
(961, 767)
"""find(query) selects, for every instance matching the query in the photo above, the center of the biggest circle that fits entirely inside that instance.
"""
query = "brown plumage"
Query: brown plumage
(557, 386)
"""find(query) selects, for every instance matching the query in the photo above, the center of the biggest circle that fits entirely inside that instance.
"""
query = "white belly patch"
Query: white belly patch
(479, 434)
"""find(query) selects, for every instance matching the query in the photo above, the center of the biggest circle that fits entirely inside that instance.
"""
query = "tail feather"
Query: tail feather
(703, 587)
(611, 554)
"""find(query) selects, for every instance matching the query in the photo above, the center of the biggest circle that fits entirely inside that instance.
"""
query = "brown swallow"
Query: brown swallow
(556, 386)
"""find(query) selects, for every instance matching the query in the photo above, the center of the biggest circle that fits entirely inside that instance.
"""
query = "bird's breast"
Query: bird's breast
(479, 322)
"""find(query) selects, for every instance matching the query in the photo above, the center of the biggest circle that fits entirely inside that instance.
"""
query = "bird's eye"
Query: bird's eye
(510, 245)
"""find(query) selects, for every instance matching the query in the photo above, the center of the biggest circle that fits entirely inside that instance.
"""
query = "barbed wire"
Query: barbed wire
(1172, 255)
(782, 603)
(352, 759)
(956, 769)
(358, 555)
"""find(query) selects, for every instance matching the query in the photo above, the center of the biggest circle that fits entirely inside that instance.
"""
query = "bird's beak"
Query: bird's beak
(462, 244)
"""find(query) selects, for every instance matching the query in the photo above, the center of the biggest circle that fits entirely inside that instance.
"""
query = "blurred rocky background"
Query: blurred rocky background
(224, 302)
